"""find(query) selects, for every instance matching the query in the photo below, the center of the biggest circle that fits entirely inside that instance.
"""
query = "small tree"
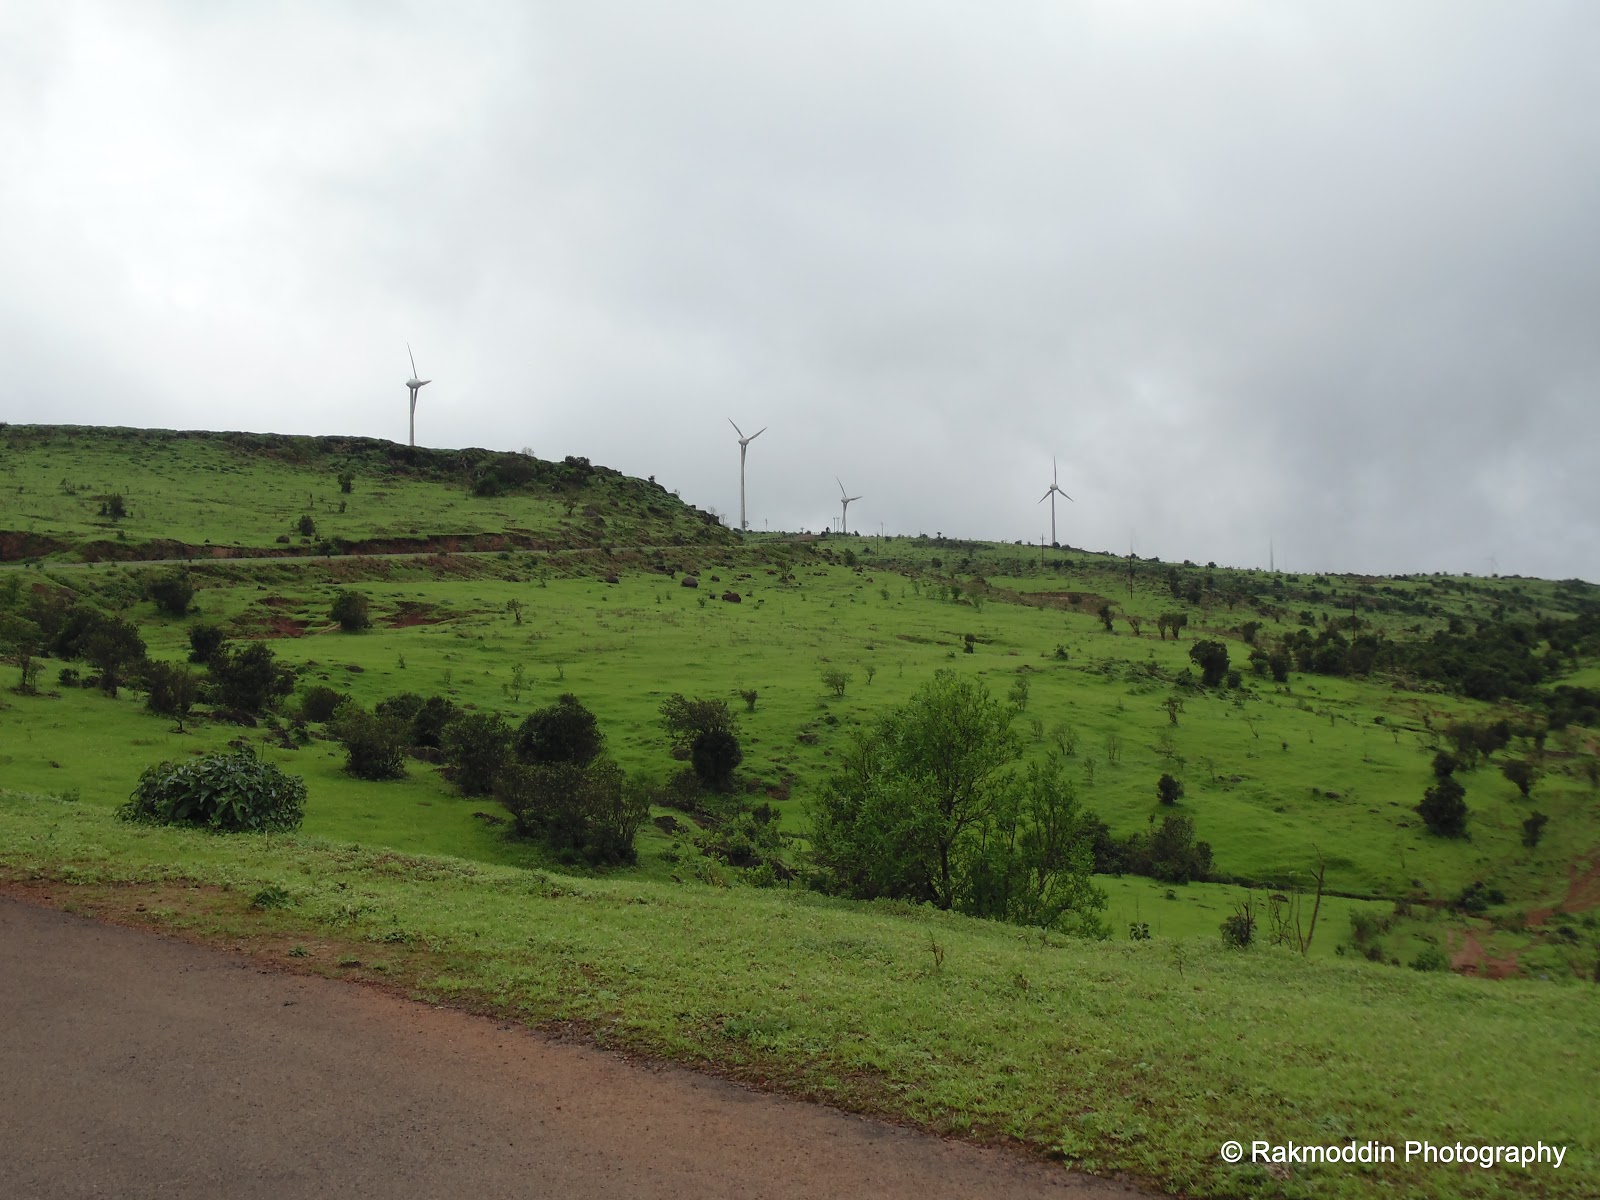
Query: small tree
(1212, 659)
(249, 680)
(374, 746)
(1533, 829)
(1105, 613)
(347, 482)
(715, 755)
(477, 746)
(204, 641)
(563, 732)
(1168, 790)
(20, 641)
(1444, 808)
(1019, 693)
(113, 648)
(172, 594)
(171, 690)
(836, 680)
(306, 526)
(1521, 773)
(351, 610)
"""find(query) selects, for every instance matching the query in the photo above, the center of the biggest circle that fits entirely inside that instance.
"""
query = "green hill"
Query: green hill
(1302, 716)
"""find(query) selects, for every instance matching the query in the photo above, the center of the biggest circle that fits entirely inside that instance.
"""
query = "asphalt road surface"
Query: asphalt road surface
(133, 1065)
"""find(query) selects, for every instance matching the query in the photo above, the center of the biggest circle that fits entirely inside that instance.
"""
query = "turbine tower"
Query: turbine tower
(844, 506)
(415, 385)
(744, 445)
(1050, 494)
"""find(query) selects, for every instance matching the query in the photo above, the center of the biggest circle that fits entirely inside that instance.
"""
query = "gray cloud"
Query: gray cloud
(1320, 273)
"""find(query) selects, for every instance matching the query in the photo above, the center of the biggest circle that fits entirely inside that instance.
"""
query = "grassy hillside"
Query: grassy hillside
(1312, 750)
(199, 494)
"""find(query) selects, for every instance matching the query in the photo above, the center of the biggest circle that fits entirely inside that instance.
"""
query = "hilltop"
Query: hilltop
(95, 494)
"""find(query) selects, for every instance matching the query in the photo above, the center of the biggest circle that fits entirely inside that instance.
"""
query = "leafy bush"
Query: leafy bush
(1430, 958)
(715, 756)
(1212, 659)
(320, 702)
(351, 610)
(374, 746)
(251, 679)
(228, 792)
(172, 594)
(477, 746)
(563, 732)
(171, 689)
(1444, 808)
(1533, 829)
(429, 722)
(1168, 790)
(204, 642)
(587, 811)
(306, 526)
(836, 680)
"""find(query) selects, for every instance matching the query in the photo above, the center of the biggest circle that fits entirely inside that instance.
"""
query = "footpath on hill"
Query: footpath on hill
(135, 1065)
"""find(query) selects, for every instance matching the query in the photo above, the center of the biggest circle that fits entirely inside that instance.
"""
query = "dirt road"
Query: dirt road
(133, 1065)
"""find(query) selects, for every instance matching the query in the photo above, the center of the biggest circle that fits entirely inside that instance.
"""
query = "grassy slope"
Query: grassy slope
(248, 491)
(1140, 1057)
(1270, 773)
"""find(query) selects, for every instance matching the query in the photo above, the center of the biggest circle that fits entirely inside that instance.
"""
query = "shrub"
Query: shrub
(715, 755)
(374, 746)
(350, 609)
(1533, 829)
(1212, 659)
(583, 811)
(251, 679)
(1444, 808)
(228, 792)
(429, 722)
(320, 702)
(172, 594)
(204, 641)
(306, 526)
(171, 690)
(1521, 773)
(478, 746)
(404, 705)
(836, 680)
(1168, 790)
(1430, 958)
(563, 732)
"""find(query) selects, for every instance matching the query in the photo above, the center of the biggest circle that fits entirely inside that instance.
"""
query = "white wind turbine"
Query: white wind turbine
(844, 506)
(1050, 494)
(744, 445)
(415, 385)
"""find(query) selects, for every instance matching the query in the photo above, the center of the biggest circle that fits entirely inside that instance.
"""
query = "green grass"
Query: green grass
(1115, 1056)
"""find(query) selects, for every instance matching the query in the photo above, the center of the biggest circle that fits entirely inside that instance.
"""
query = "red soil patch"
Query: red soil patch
(1470, 958)
(1583, 889)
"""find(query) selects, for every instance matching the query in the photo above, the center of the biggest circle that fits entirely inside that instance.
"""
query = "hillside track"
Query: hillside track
(135, 1065)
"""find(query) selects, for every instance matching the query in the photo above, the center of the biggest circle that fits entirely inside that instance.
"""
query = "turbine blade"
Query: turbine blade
(424, 383)
(736, 428)
(1046, 495)
(413, 359)
(758, 433)
(840, 482)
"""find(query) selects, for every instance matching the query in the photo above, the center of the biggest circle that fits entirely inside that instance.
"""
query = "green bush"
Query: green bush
(374, 746)
(229, 792)
(351, 610)
(563, 732)
(1430, 958)
(477, 746)
(172, 594)
(320, 702)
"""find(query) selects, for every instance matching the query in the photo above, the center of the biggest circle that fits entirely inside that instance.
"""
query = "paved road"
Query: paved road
(136, 1066)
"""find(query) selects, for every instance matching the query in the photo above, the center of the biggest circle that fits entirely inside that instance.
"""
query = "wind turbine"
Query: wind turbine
(744, 444)
(415, 385)
(1050, 494)
(844, 506)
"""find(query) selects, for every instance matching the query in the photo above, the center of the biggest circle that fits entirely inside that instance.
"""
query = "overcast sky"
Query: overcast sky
(1321, 273)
